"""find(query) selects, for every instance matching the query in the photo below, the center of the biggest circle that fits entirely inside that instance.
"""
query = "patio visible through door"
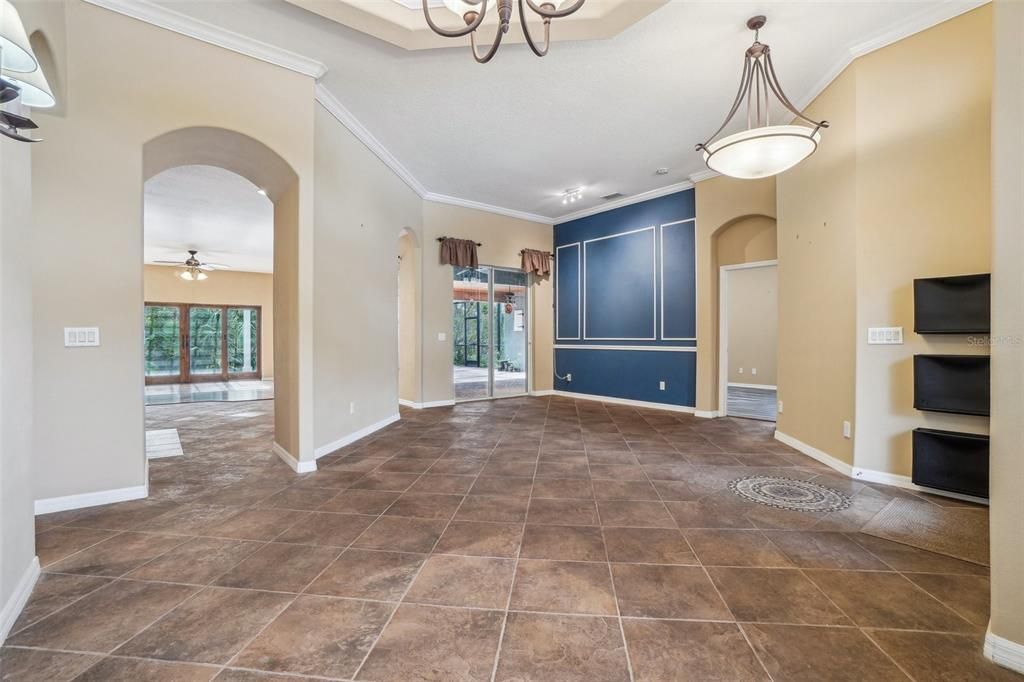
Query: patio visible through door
(187, 343)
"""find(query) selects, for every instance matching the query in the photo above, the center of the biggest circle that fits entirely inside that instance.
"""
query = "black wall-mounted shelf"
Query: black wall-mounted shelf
(958, 384)
(953, 305)
(951, 461)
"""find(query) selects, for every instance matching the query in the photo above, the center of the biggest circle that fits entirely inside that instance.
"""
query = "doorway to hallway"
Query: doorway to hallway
(490, 313)
(748, 338)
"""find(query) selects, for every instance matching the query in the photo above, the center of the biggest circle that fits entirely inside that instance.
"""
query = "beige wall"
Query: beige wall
(227, 287)
(87, 186)
(17, 548)
(361, 209)
(723, 204)
(502, 239)
(409, 305)
(752, 305)
(1007, 465)
(923, 210)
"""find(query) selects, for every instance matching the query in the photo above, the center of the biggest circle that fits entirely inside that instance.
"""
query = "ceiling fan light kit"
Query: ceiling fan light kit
(762, 150)
(473, 13)
(21, 76)
(194, 269)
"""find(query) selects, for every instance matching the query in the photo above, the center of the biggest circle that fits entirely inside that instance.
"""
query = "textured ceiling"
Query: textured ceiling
(600, 114)
(212, 210)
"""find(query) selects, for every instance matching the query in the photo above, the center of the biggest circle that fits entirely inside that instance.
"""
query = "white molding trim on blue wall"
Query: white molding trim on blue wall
(297, 466)
(653, 349)
(16, 602)
(169, 19)
(324, 450)
(1004, 652)
(625, 401)
(82, 500)
(654, 283)
(661, 275)
(579, 290)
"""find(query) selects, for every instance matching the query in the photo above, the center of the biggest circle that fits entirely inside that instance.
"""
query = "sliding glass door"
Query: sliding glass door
(489, 332)
(187, 343)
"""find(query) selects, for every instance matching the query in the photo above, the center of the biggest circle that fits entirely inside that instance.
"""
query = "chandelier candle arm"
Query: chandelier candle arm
(499, 34)
(473, 11)
(529, 38)
(472, 22)
(553, 12)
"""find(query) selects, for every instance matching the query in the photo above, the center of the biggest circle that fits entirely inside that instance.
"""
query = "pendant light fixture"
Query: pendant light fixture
(472, 12)
(21, 77)
(762, 150)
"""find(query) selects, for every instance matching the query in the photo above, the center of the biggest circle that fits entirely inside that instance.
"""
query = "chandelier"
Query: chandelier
(762, 149)
(473, 12)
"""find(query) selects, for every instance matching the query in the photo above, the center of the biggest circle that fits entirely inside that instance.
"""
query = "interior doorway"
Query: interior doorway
(200, 343)
(490, 332)
(748, 338)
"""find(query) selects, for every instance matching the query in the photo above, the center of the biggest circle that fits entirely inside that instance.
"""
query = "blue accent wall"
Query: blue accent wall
(624, 279)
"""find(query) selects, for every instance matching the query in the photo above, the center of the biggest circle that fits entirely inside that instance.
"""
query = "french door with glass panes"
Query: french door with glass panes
(490, 309)
(188, 343)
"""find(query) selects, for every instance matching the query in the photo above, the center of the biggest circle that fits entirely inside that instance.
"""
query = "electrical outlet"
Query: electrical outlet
(441, 336)
(568, 377)
(780, 407)
(661, 385)
(351, 408)
(847, 430)
(741, 370)
(754, 371)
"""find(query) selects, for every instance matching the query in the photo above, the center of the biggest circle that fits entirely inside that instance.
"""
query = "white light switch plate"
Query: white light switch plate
(77, 337)
(885, 336)
(441, 336)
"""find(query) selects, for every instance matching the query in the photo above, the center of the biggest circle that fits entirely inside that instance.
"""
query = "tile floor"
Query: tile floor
(530, 539)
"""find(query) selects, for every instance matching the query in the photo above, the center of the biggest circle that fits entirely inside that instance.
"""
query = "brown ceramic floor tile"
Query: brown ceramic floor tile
(31, 665)
(634, 514)
(563, 587)
(624, 490)
(303, 499)
(113, 669)
(824, 550)
(968, 595)
(208, 628)
(326, 529)
(58, 543)
(735, 548)
(121, 516)
(662, 650)
(118, 555)
(940, 657)
(617, 472)
(709, 512)
(53, 592)
(395, 482)
(506, 468)
(563, 512)
(360, 502)
(667, 592)
(480, 539)
(429, 643)
(566, 543)
(775, 596)
(279, 567)
(364, 574)
(647, 546)
(907, 558)
(563, 488)
(240, 675)
(887, 600)
(317, 636)
(539, 648)
(105, 618)
(197, 561)
(256, 524)
(189, 519)
(463, 581)
(495, 509)
(401, 534)
(505, 485)
(425, 506)
(813, 654)
(443, 484)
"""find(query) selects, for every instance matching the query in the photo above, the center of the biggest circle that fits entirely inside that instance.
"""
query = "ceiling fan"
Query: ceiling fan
(195, 270)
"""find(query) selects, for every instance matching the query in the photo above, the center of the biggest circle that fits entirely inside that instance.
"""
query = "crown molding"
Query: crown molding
(921, 21)
(625, 201)
(701, 176)
(345, 117)
(489, 208)
(150, 13)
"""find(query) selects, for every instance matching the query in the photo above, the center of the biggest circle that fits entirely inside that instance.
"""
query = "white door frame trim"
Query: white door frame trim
(723, 326)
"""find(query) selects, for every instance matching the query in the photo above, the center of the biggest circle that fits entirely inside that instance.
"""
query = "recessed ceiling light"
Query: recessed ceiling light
(662, 171)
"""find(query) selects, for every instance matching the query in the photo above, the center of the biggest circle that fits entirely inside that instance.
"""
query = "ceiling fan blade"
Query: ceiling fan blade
(215, 266)
(168, 262)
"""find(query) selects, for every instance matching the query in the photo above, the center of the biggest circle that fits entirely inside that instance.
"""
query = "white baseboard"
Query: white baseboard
(1004, 652)
(762, 387)
(625, 401)
(297, 466)
(56, 504)
(814, 453)
(12, 609)
(407, 403)
(900, 481)
(353, 437)
(707, 414)
(542, 394)
(427, 406)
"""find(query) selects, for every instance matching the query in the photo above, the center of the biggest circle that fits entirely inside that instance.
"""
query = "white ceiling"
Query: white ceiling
(212, 210)
(600, 114)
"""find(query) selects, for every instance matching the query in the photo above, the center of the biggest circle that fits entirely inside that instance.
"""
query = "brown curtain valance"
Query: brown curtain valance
(538, 262)
(459, 252)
